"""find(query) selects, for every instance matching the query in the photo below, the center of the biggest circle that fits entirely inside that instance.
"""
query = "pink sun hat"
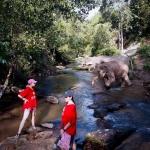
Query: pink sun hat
(30, 81)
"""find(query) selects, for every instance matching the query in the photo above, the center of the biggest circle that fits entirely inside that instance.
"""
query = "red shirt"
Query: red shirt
(30, 95)
(69, 115)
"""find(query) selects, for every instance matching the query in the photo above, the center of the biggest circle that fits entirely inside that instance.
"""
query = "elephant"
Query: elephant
(111, 71)
(92, 61)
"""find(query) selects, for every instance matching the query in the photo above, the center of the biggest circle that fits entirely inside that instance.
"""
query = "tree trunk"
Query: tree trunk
(6, 81)
(121, 33)
(119, 41)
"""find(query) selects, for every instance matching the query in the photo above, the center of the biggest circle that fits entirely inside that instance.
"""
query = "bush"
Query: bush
(108, 51)
(147, 65)
(144, 51)
(132, 38)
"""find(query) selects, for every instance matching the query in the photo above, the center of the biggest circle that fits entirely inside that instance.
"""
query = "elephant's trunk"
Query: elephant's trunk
(91, 68)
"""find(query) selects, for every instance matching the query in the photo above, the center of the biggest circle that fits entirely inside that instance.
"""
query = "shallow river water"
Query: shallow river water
(135, 115)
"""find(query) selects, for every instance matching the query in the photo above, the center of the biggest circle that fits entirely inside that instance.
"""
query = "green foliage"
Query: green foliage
(141, 21)
(147, 65)
(131, 39)
(132, 62)
(144, 51)
(103, 38)
(3, 51)
(109, 51)
(37, 34)
(75, 41)
(29, 34)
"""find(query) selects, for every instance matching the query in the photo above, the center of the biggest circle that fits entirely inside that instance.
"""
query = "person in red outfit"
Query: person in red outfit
(68, 123)
(29, 106)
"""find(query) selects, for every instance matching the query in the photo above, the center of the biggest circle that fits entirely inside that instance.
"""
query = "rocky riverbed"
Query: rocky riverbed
(105, 138)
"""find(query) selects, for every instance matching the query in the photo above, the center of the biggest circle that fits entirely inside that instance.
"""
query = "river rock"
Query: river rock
(100, 112)
(5, 116)
(30, 129)
(47, 125)
(60, 67)
(105, 139)
(44, 134)
(52, 99)
(102, 124)
(93, 106)
(80, 67)
(31, 136)
(139, 140)
(11, 147)
(98, 140)
(11, 142)
(37, 144)
(115, 106)
(74, 87)
(33, 141)
(99, 92)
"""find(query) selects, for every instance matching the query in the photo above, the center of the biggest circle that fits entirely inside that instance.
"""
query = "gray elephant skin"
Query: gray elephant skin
(97, 59)
(111, 71)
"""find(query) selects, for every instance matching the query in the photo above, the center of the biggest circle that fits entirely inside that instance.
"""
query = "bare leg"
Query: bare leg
(74, 145)
(25, 116)
(33, 118)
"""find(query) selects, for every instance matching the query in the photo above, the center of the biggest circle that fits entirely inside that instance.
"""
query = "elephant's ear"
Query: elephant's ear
(97, 67)
(106, 69)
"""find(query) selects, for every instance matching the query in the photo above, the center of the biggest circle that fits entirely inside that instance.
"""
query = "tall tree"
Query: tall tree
(22, 34)
(123, 18)
(141, 21)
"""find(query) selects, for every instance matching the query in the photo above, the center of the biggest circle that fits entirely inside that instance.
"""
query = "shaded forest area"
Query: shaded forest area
(37, 35)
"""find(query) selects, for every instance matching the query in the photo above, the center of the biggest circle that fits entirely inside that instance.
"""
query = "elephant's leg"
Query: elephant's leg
(109, 81)
(93, 80)
(126, 78)
(105, 78)
(122, 82)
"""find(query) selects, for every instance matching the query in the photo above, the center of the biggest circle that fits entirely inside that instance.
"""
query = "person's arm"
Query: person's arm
(65, 128)
(23, 94)
(24, 99)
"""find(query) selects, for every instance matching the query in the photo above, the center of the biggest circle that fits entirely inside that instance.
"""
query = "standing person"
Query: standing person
(68, 123)
(29, 106)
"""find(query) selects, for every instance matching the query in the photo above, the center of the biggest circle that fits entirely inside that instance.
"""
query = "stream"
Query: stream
(135, 114)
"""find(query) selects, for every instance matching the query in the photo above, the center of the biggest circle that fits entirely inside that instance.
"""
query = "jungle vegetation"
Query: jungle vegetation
(38, 34)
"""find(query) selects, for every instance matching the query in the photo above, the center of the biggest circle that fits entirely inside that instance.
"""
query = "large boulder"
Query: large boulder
(47, 125)
(52, 99)
(104, 139)
(32, 141)
(139, 140)
(44, 134)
